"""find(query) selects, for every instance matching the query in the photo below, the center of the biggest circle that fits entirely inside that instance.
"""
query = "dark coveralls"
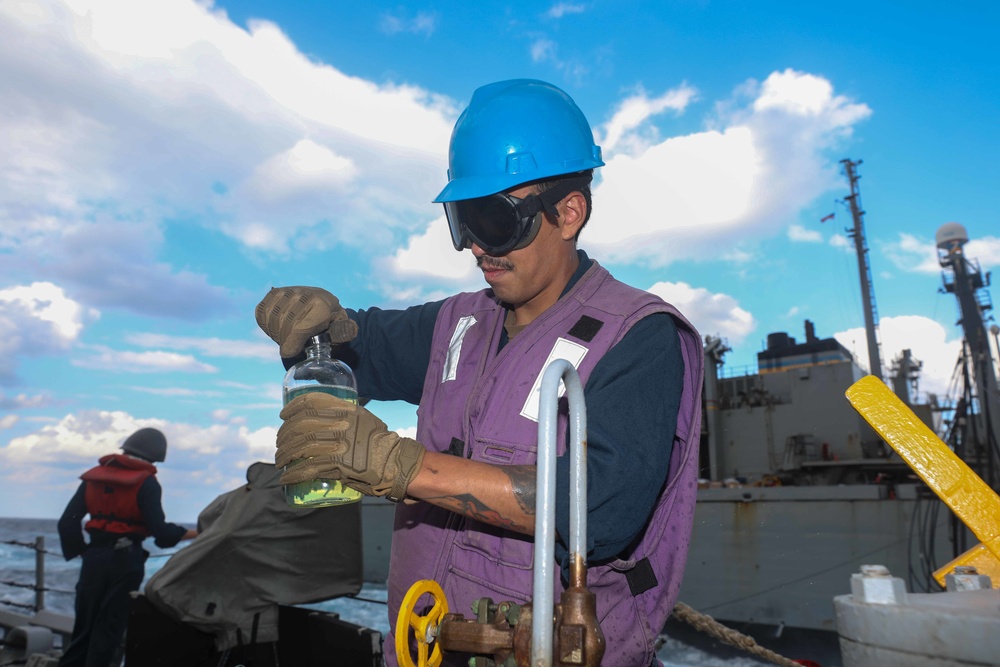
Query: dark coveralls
(122, 515)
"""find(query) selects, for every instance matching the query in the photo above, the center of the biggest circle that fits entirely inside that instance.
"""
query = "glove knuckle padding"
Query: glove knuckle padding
(302, 439)
(290, 316)
(336, 439)
(322, 467)
(343, 331)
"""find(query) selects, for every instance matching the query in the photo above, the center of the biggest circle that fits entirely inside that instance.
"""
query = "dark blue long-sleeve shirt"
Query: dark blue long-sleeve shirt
(632, 397)
(149, 496)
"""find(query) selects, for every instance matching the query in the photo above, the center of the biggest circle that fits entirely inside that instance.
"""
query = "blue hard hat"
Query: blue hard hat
(514, 132)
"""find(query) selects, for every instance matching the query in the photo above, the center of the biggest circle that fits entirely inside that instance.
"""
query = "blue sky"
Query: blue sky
(164, 164)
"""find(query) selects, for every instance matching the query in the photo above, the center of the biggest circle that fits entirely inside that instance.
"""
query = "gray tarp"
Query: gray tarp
(255, 552)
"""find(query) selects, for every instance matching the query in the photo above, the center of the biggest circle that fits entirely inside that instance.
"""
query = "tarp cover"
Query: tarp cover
(254, 552)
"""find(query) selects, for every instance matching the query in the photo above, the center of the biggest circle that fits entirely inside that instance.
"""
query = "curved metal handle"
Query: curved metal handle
(545, 531)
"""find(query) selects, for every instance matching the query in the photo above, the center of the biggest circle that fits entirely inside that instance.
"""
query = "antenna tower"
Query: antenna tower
(977, 434)
(857, 233)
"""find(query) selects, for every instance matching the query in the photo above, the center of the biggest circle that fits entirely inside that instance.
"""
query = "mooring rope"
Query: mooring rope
(709, 625)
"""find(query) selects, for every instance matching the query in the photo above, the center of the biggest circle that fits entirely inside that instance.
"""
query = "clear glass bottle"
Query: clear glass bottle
(319, 371)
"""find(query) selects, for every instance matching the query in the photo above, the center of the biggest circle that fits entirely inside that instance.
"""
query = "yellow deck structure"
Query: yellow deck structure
(968, 496)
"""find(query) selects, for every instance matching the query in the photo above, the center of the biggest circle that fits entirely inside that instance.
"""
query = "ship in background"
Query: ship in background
(797, 492)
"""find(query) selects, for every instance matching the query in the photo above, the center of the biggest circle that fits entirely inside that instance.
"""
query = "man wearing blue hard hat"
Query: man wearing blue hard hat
(521, 162)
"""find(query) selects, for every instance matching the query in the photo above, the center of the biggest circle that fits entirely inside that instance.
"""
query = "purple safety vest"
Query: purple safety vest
(484, 405)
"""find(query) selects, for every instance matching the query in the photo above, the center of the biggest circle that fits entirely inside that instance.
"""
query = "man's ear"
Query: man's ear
(572, 214)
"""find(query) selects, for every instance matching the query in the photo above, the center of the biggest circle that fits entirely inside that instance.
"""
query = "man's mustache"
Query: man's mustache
(487, 262)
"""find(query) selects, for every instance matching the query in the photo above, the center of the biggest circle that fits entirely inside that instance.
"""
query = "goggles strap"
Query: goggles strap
(546, 201)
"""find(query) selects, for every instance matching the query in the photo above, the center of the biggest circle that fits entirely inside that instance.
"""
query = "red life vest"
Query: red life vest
(112, 492)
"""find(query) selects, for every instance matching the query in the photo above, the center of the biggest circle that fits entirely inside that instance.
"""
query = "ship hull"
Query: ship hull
(779, 555)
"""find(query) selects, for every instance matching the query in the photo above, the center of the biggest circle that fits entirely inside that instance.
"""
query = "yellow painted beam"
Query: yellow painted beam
(968, 496)
(978, 557)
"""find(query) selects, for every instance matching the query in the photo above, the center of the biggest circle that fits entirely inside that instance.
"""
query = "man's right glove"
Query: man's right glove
(326, 437)
(293, 315)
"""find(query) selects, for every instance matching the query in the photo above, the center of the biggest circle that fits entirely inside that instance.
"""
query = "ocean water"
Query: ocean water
(17, 566)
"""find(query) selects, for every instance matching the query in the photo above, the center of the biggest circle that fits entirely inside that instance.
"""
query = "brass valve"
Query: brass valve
(500, 633)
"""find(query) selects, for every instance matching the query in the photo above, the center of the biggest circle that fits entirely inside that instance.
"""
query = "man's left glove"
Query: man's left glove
(326, 437)
(290, 316)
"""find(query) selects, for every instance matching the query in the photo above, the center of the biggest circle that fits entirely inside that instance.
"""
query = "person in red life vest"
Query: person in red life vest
(122, 497)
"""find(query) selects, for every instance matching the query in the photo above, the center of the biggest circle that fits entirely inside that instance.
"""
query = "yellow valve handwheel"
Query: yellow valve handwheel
(424, 627)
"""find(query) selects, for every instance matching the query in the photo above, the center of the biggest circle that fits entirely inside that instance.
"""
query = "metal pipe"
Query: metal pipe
(544, 575)
(39, 573)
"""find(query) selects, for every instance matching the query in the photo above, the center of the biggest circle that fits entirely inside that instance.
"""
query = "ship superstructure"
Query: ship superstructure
(798, 492)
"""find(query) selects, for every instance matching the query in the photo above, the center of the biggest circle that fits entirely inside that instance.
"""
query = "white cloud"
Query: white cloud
(173, 111)
(573, 68)
(937, 348)
(24, 401)
(202, 462)
(125, 361)
(111, 262)
(543, 49)
(85, 435)
(48, 303)
(801, 234)
(913, 254)
(919, 255)
(179, 392)
(796, 93)
(281, 152)
(212, 347)
(689, 196)
(428, 267)
(37, 319)
(635, 111)
(714, 314)
(561, 9)
(424, 23)
(677, 196)
(842, 242)
(985, 250)
(305, 166)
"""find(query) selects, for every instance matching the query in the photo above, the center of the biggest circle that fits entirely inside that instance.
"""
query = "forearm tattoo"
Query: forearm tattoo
(523, 486)
(474, 508)
(523, 483)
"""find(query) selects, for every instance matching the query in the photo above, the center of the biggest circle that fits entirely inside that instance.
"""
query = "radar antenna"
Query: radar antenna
(961, 276)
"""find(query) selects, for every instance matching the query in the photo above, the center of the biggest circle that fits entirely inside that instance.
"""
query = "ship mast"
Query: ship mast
(967, 284)
(857, 233)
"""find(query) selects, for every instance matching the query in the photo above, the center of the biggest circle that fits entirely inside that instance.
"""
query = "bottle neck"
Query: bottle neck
(318, 350)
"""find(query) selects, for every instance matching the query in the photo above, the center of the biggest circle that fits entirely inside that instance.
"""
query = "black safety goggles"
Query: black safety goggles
(500, 223)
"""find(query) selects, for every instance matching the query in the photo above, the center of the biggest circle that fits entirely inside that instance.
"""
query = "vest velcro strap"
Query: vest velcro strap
(456, 448)
(585, 328)
(641, 578)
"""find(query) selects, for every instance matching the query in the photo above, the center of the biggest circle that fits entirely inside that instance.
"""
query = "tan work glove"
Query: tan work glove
(329, 438)
(293, 315)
